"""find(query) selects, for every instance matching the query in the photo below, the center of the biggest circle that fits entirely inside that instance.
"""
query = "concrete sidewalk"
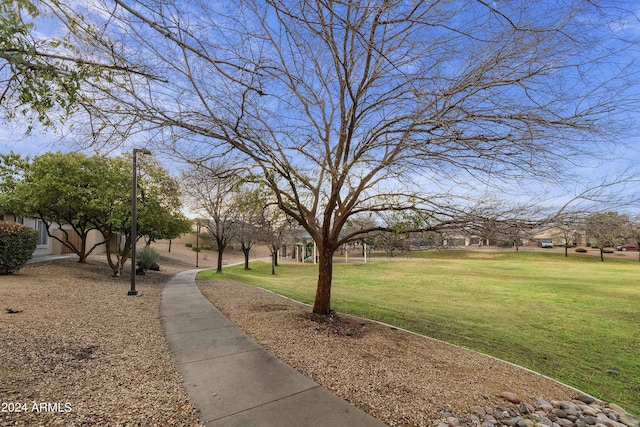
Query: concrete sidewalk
(233, 381)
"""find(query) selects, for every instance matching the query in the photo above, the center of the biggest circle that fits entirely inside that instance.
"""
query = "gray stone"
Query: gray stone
(589, 419)
(511, 421)
(488, 424)
(543, 404)
(629, 420)
(545, 421)
(604, 419)
(478, 410)
(560, 413)
(585, 398)
(490, 418)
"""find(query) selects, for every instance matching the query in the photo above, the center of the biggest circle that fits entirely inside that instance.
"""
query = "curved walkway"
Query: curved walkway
(233, 381)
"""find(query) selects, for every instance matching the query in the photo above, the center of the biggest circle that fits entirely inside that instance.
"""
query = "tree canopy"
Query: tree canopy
(354, 108)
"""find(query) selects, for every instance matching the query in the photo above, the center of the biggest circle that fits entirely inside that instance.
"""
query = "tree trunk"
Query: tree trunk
(601, 254)
(566, 251)
(274, 262)
(245, 251)
(220, 254)
(322, 304)
(170, 240)
(114, 265)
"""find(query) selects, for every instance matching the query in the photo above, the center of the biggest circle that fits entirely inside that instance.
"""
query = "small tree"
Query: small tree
(632, 232)
(604, 229)
(17, 244)
(211, 189)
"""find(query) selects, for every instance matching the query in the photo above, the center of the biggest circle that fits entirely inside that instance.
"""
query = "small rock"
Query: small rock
(511, 397)
(629, 420)
(603, 419)
(616, 408)
(525, 408)
(478, 410)
(545, 421)
(488, 424)
(590, 420)
(453, 422)
(585, 398)
(490, 419)
(511, 421)
(580, 422)
(612, 371)
(560, 413)
(543, 404)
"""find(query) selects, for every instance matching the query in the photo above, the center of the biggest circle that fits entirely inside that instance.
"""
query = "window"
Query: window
(41, 228)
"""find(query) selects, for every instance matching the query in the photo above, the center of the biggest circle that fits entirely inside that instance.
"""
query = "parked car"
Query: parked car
(545, 243)
(627, 248)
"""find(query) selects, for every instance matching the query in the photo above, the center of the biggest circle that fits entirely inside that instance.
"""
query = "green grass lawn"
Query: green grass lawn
(569, 318)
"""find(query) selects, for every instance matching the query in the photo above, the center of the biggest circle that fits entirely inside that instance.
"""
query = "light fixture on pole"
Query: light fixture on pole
(197, 240)
(134, 218)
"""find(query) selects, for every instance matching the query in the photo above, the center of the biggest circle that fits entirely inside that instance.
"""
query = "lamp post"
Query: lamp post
(197, 240)
(134, 218)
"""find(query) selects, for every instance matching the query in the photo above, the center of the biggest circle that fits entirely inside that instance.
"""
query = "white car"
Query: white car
(545, 243)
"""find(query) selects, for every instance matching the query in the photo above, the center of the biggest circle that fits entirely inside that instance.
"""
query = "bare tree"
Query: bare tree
(275, 229)
(604, 229)
(376, 106)
(632, 232)
(251, 204)
(210, 191)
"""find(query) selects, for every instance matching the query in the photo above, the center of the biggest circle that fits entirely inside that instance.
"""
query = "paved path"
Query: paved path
(233, 381)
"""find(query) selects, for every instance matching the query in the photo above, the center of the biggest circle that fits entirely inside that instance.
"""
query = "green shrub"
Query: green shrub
(581, 250)
(208, 247)
(607, 251)
(148, 257)
(196, 249)
(17, 244)
(188, 245)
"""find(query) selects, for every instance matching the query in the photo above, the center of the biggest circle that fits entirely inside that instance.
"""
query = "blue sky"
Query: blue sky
(627, 160)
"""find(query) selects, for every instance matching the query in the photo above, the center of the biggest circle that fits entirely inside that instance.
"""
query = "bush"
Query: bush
(581, 250)
(607, 251)
(188, 245)
(17, 244)
(148, 257)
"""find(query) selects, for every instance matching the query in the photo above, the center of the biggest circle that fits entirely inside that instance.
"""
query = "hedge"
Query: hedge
(17, 244)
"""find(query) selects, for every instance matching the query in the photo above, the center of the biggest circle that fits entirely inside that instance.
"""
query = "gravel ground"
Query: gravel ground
(79, 351)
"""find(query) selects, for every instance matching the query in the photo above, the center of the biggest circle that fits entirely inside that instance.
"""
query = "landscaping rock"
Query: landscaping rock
(629, 420)
(557, 413)
(511, 397)
(585, 398)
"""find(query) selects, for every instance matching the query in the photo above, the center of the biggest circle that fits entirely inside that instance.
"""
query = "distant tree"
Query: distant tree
(251, 203)
(569, 225)
(632, 232)
(604, 229)
(275, 229)
(210, 191)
